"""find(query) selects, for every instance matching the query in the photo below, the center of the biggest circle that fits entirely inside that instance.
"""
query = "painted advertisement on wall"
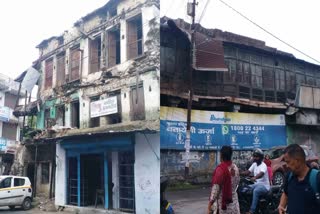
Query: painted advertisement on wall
(210, 129)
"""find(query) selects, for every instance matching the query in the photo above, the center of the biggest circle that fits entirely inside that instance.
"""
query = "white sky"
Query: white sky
(295, 22)
(25, 23)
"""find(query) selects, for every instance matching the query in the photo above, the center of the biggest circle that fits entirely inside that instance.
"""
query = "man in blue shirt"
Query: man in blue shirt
(298, 196)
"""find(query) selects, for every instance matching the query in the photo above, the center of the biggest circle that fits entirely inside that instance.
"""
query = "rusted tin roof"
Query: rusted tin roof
(112, 129)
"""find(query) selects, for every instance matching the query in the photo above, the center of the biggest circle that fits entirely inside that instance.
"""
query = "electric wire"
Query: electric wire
(268, 32)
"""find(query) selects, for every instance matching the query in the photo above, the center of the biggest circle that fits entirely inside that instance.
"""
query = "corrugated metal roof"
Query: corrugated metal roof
(120, 128)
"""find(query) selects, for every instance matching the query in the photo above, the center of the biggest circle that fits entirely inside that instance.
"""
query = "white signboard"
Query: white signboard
(104, 107)
(4, 113)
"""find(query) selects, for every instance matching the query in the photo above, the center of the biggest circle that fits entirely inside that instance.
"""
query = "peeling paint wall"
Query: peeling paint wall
(147, 173)
(61, 177)
(202, 164)
(305, 135)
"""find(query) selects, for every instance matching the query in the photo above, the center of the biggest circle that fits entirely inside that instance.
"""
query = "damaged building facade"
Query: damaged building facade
(99, 110)
(244, 93)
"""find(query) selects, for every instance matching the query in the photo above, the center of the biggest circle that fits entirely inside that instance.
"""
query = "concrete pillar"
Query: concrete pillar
(61, 177)
(147, 173)
(85, 57)
(123, 41)
(115, 180)
(125, 105)
(148, 13)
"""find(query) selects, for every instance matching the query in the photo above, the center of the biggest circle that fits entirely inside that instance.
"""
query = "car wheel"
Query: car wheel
(11, 207)
(278, 178)
(26, 205)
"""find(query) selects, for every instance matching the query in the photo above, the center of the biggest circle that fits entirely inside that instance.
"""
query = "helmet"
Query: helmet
(258, 152)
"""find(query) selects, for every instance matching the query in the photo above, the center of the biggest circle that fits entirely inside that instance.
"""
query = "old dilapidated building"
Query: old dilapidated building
(244, 94)
(98, 110)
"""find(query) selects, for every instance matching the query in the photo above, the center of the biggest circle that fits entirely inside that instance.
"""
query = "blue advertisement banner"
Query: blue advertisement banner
(226, 129)
(3, 144)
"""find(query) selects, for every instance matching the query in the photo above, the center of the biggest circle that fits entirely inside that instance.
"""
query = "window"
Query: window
(95, 121)
(241, 74)
(134, 37)
(137, 103)
(49, 122)
(115, 118)
(256, 77)
(18, 182)
(75, 54)
(300, 79)
(9, 131)
(280, 80)
(6, 183)
(311, 80)
(291, 81)
(10, 100)
(113, 46)
(229, 76)
(60, 115)
(95, 54)
(61, 69)
(268, 78)
(75, 114)
(48, 73)
(45, 173)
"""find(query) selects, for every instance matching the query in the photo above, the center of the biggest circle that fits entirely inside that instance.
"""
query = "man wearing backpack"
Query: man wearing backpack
(301, 188)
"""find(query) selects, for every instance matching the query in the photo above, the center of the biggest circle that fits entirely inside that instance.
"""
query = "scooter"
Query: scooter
(268, 203)
(165, 206)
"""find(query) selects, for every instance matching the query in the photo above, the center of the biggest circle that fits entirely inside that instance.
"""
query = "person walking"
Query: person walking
(261, 181)
(299, 196)
(225, 180)
(267, 161)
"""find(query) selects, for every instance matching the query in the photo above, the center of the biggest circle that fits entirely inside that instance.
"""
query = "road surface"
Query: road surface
(193, 201)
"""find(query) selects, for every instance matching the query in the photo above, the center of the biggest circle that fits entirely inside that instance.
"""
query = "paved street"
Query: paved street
(4, 210)
(193, 201)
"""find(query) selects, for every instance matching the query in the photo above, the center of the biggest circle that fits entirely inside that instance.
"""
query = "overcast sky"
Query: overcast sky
(25, 23)
(295, 22)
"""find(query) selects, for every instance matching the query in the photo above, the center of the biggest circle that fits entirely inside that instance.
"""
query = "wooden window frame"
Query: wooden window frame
(61, 69)
(95, 55)
(48, 73)
(73, 75)
(134, 40)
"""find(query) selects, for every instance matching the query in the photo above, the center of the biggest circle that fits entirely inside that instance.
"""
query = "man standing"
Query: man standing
(298, 195)
(261, 178)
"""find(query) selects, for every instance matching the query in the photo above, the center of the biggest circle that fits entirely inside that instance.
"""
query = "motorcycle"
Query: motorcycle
(267, 204)
(165, 206)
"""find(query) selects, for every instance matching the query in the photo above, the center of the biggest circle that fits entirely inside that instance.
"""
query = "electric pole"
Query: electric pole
(191, 12)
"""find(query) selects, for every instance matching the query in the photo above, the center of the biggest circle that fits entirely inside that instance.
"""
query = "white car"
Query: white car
(15, 191)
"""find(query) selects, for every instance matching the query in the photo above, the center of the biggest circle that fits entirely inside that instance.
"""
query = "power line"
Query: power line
(268, 32)
(172, 6)
(203, 11)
